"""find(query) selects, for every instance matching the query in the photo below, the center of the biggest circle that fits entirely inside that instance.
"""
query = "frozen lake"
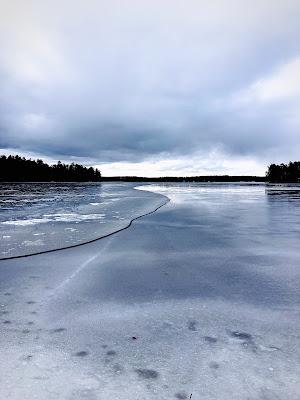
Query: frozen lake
(44, 216)
(200, 297)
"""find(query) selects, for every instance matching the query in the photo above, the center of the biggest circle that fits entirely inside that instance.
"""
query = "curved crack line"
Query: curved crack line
(92, 240)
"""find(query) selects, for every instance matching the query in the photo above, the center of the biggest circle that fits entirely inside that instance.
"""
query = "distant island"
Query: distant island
(20, 169)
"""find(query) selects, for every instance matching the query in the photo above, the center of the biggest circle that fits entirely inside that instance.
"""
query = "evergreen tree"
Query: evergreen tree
(288, 173)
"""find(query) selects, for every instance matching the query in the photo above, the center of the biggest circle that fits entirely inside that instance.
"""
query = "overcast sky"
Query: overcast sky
(152, 87)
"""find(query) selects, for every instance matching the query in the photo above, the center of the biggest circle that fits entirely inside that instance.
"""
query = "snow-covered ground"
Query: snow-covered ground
(200, 298)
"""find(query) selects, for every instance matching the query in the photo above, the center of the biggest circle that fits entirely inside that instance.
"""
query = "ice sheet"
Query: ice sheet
(65, 213)
(200, 298)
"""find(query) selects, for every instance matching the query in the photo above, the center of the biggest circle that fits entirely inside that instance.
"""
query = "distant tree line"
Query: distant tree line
(284, 173)
(209, 178)
(20, 169)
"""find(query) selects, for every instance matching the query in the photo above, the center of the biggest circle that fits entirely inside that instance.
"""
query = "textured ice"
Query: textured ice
(73, 217)
(200, 298)
(67, 214)
(26, 222)
(30, 243)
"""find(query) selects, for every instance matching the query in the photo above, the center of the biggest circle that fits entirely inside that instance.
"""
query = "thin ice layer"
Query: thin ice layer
(40, 217)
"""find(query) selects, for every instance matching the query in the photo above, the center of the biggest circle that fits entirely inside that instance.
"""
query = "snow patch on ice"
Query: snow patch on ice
(68, 217)
(73, 217)
(26, 222)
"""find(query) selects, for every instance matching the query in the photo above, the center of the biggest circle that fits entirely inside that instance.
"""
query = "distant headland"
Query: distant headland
(20, 169)
(284, 173)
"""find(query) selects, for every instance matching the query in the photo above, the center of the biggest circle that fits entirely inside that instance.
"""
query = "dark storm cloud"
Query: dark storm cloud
(124, 81)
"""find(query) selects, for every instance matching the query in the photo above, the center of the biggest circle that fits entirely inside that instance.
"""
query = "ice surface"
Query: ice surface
(65, 213)
(201, 298)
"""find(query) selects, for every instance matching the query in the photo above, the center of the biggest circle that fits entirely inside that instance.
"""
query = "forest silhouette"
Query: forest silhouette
(284, 173)
(20, 169)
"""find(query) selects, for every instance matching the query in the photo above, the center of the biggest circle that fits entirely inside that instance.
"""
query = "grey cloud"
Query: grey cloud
(124, 81)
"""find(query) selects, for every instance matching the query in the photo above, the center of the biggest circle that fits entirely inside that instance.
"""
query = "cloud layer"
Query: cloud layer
(152, 82)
